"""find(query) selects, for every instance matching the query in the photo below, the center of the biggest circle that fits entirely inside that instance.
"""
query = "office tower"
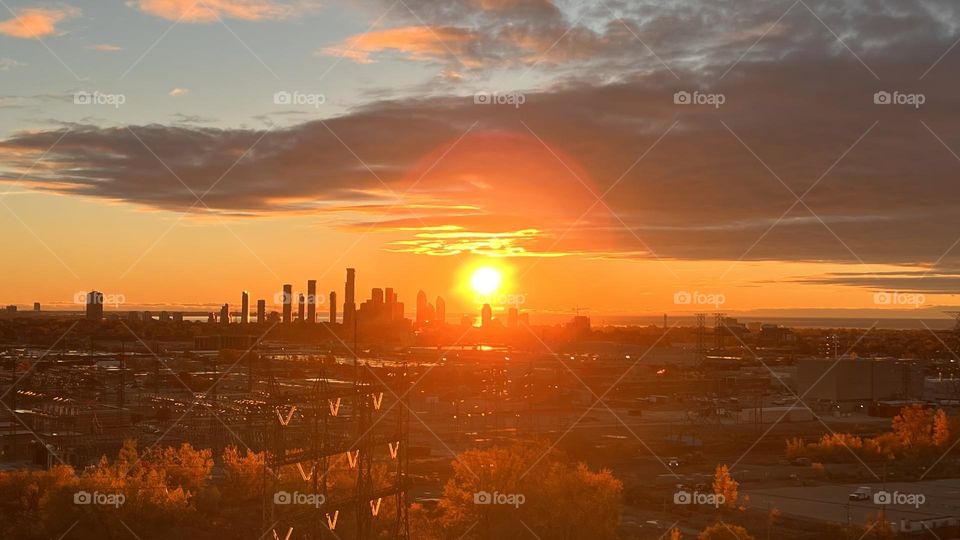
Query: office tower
(133, 316)
(422, 308)
(261, 311)
(441, 314)
(147, 316)
(36, 306)
(301, 307)
(486, 316)
(512, 317)
(312, 301)
(225, 314)
(333, 306)
(94, 305)
(349, 302)
(376, 294)
(287, 303)
(164, 316)
(244, 307)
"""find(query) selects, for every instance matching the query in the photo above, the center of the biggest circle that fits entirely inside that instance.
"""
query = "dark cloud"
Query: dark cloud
(880, 182)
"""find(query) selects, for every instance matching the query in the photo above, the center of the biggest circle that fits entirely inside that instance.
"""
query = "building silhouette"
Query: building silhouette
(287, 303)
(225, 314)
(261, 311)
(441, 312)
(94, 305)
(486, 316)
(244, 307)
(312, 301)
(349, 300)
(301, 307)
(333, 307)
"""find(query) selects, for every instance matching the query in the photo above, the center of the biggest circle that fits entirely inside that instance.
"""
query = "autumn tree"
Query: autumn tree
(560, 499)
(941, 428)
(914, 427)
(724, 485)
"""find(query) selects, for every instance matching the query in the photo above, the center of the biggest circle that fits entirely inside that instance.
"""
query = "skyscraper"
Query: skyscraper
(312, 301)
(421, 308)
(261, 311)
(225, 314)
(486, 316)
(244, 307)
(349, 301)
(512, 317)
(287, 303)
(94, 305)
(333, 306)
(441, 315)
(301, 308)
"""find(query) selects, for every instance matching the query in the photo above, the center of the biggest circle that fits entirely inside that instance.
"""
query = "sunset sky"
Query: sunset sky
(242, 144)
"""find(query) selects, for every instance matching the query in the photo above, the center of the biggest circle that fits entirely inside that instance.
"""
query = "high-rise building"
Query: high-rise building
(36, 306)
(333, 306)
(287, 303)
(441, 312)
(349, 301)
(244, 307)
(486, 316)
(421, 308)
(225, 314)
(164, 316)
(312, 301)
(376, 294)
(95, 305)
(301, 307)
(261, 311)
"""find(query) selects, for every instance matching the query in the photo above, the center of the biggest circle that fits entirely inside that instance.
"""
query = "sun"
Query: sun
(486, 280)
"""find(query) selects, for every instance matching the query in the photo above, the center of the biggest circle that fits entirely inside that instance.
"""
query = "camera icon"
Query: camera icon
(482, 497)
(682, 497)
(882, 298)
(681, 98)
(282, 98)
(82, 98)
(481, 98)
(282, 298)
(682, 298)
(282, 497)
(80, 298)
(882, 98)
(882, 497)
(82, 497)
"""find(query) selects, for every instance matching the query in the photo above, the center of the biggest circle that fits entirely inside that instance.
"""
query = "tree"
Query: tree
(675, 534)
(557, 499)
(724, 485)
(941, 428)
(724, 531)
(914, 426)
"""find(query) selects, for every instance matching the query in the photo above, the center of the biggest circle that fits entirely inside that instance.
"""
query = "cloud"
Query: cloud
(105, 47)
(6, 64)
(411, 42)
(34, 23)
(208, 11)
(878, 181)
(177, 92)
